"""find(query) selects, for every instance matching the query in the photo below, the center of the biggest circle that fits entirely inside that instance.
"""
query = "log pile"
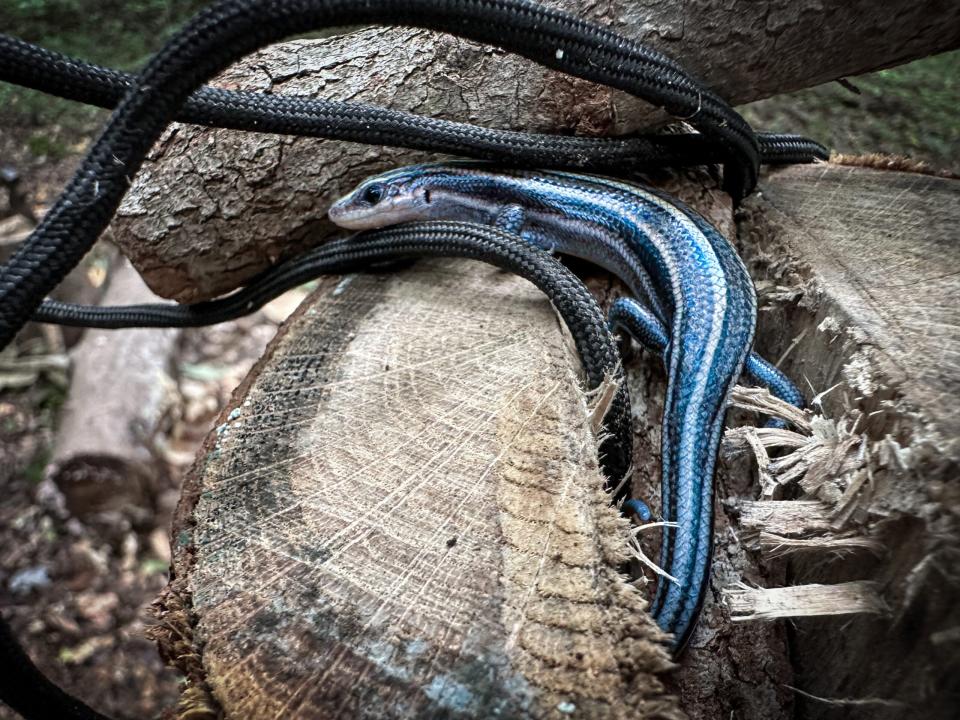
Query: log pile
(398, 515)
(244, 200)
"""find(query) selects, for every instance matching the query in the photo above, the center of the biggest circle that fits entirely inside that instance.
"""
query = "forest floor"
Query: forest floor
(78, 593)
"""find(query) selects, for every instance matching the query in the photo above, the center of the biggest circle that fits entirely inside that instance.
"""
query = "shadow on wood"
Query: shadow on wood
(861, 270)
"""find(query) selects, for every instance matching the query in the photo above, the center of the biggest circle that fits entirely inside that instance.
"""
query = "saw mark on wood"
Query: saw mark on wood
(877, 239)
(419, 530)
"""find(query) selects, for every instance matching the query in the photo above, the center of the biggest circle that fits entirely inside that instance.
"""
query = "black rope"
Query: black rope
(28, 691)
(171, 87)
(66, 77)
(33, 695)
(229, 30)
(572, 300)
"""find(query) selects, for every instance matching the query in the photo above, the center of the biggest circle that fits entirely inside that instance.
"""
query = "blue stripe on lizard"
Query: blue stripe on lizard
(686, 272)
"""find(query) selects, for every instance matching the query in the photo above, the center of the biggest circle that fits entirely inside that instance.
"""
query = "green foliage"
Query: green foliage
(116, 33)
(906, 110)
(121, 33)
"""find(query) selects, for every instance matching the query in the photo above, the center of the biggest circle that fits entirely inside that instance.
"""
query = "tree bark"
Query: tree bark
(242, 201)
(274, 608)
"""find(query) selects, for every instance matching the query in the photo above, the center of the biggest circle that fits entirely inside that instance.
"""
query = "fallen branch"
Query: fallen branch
(119, 397)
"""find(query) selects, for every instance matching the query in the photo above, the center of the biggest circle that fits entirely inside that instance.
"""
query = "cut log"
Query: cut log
(883, 246)
(381, 526)
(401, 515)
(245, 200)
(861, 268)
(120, 394)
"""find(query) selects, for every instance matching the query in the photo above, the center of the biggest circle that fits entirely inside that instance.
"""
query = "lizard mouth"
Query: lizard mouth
(366, 218)
(355, 214)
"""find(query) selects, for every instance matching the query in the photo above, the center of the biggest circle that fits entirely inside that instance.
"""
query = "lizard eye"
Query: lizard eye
(372, 194)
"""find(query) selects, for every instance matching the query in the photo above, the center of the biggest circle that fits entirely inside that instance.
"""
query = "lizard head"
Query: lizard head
(465, 191)
(401, 195)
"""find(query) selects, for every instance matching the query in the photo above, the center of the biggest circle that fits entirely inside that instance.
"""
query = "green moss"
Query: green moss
(52, 399)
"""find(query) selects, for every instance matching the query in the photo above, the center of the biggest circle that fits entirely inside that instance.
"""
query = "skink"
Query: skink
(571, 235)
(689, 276)
(229, 29)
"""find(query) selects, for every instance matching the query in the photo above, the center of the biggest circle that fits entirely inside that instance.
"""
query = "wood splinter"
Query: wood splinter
(747, 603)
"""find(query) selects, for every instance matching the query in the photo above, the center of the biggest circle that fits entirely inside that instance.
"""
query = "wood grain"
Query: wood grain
(823, 243)
(120, 400)
(402, 517)
(860, 271)
(883, 247)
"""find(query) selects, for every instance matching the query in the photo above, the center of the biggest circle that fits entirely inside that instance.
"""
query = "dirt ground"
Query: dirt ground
(78, 592)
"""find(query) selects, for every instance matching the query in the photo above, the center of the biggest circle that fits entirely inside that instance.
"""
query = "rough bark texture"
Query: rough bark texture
(120, 394)
(402, 517)
(275, 609)
(243, 200)
(861, 270)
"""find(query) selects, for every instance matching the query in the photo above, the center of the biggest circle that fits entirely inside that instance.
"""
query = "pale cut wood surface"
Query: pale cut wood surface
(120, 400)
(402, 517)
(717, 675)
(807, 314)
(243, 200)
(748, 603)
(786, 517)
(884, 246)
(860, 271)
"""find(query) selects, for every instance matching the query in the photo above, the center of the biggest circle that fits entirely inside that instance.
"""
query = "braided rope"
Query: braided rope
(231, 29)
(51, 72)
